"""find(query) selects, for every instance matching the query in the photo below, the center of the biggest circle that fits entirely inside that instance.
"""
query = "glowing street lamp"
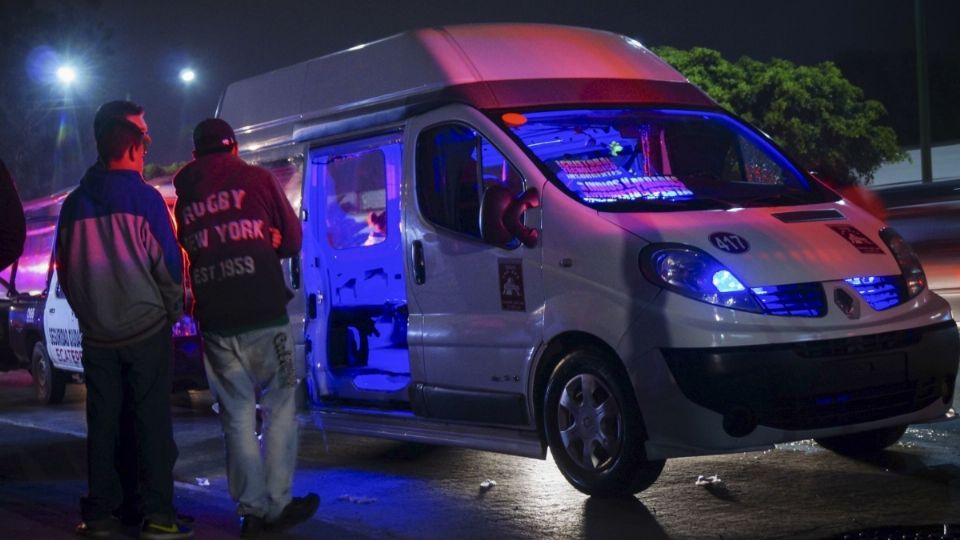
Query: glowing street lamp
(67, 75)
(187, 75)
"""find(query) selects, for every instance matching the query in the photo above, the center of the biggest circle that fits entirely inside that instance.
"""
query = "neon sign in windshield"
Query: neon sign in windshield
(662, 160)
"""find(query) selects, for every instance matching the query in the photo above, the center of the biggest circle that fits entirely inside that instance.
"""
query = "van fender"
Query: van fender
(546, 359)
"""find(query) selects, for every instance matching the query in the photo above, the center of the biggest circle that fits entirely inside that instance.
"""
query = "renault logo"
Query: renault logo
(847, 303)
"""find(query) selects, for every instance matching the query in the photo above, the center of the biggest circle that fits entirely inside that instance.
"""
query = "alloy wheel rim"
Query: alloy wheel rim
(590, 422)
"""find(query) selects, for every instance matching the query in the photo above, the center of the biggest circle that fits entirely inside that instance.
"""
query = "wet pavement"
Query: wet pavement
(382, 489)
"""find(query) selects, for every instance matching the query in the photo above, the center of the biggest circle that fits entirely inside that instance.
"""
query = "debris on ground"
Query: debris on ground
(487, 484)
(357, 500)
(708, 480)
(203, 481)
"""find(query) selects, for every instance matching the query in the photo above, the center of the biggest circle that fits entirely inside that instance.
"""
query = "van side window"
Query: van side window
(288, 170)
(356, 178)
(455, 164)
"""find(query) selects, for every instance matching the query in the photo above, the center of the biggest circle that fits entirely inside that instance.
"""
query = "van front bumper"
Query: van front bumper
(817, 385)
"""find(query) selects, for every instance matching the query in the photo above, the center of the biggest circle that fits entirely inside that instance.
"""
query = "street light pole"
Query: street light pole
(923, 91)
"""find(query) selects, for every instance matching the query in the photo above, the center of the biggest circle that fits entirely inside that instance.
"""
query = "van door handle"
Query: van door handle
(419, 266)
(295, 271)
(312, 306)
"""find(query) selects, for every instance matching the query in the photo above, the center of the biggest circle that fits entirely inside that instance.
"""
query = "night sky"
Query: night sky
(230, 40)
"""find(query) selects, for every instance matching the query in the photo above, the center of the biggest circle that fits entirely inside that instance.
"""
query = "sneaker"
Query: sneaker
(250, 526)
(152, 530)
(96, 529)
(298, 510)
(135, 520)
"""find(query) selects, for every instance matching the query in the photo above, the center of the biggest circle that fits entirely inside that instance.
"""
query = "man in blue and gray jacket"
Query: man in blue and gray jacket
(122, 272)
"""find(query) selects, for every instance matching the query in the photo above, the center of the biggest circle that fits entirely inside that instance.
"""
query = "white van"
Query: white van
(522, 237)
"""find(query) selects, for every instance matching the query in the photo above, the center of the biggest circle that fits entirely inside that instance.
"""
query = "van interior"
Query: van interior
(355, 189)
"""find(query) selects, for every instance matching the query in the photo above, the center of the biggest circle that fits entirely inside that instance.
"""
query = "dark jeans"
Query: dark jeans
(138, 374)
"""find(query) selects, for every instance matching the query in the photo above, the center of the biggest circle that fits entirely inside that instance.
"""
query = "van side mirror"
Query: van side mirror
(501, 216)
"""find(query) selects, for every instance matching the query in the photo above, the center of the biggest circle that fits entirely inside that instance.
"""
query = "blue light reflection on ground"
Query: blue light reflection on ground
(407, 490)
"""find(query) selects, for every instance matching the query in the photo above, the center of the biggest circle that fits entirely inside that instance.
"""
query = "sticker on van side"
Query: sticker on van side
(729, 242)
(856, 238)
(511, 285)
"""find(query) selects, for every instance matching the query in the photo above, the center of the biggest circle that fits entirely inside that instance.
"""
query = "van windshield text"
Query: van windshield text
(626, 160)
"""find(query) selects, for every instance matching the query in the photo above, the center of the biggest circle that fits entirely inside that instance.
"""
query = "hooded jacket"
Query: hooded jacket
(225, 210)
(118, 261)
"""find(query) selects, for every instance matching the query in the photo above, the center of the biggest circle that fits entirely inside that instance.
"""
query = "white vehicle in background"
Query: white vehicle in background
(527, 236)
(928, 217)
(43, 334)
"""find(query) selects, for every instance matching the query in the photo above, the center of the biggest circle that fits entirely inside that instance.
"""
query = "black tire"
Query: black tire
(863, 443)
(49, 383)
(618, 468)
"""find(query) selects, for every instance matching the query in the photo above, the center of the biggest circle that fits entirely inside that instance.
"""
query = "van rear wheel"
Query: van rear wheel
(49, 383)
(863, 443)
(594, 427)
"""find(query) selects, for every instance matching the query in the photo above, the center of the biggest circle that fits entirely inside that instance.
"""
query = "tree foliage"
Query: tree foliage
(817, 115)
(153, 170)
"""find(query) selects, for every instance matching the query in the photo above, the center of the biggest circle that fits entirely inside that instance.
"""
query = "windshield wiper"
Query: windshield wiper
(723, 204)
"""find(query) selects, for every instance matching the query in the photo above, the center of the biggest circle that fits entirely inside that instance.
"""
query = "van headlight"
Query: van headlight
(693, 273)
(913, 276)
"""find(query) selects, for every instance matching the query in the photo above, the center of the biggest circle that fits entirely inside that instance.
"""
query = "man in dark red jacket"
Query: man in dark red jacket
(236, 225)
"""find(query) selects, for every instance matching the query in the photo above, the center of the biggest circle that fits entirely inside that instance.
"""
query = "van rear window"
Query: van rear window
(625, 160)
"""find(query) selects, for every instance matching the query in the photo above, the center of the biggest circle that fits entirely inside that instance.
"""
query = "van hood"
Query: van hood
(776, 245)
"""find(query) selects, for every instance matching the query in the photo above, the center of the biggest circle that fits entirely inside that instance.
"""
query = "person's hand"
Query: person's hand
(275, 238)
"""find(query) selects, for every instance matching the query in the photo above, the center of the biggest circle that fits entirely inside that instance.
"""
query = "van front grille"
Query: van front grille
(823, 383)
(872, 344)
(883, 292)
(865, 405)
(797, 300)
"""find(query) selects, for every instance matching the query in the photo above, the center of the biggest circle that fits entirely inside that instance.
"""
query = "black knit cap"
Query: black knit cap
(213, 135)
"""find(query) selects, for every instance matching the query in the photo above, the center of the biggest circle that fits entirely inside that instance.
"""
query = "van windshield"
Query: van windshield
(628, 160)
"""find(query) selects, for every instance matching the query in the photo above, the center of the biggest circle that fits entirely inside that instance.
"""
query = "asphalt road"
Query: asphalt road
(380, 489)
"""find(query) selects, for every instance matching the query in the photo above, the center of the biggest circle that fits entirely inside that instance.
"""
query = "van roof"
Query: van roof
(489, 66)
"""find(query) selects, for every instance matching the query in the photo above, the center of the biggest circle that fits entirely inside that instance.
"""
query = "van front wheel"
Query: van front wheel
(594, 427)
(49, 383)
